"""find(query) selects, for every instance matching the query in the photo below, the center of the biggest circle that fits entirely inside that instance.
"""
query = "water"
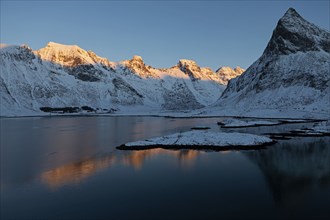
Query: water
(68, 168)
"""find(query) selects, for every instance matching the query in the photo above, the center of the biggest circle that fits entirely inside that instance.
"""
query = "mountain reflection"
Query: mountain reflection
(74, 173)
(293, 170)
(137, 158)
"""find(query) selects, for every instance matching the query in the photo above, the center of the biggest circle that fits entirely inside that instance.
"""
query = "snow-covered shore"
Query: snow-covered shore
(207, 112)
(234, 123)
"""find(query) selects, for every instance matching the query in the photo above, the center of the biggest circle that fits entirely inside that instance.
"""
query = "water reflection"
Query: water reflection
(137, 158)
(80, 152)
(55, 142)
(74, 173)
(292, 169)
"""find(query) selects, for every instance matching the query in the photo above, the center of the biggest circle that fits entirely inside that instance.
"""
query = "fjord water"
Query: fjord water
(68, 168)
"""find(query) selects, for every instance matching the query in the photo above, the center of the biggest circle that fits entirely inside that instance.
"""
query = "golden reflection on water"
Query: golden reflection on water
(74, 173)
(137, 158)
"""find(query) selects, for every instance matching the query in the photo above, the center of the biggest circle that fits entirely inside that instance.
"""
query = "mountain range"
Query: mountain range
(292, 74)
(61, 78)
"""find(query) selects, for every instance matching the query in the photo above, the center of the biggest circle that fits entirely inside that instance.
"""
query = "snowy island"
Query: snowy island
(202, 140)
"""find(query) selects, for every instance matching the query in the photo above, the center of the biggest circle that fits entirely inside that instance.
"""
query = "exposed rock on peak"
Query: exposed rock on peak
(17, 53)
(137, 58)
(225, 69)
(137, 65)
(291, 12)
(222, 75)
(184, 62)
(293, 33)
(187, 64)
(189, 67)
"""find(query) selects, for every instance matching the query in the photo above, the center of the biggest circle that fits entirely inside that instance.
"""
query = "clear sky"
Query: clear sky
(213, 33)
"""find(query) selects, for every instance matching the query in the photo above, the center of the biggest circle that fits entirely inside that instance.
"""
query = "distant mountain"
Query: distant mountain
(226, 73)
(63, 78)
(293, 73)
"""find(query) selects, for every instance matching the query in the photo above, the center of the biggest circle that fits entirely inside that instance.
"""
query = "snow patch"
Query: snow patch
(232, 123)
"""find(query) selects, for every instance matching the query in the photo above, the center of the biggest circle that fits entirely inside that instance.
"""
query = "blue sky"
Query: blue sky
(213, 33)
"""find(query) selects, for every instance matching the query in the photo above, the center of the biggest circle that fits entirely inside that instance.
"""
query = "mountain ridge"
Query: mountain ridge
(66, 76)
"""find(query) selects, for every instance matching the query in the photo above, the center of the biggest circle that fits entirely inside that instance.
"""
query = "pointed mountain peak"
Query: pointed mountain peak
(292, 19)
(293, 34)
(137, 65)
(184, 62)
(189, 67)
(291, 12)
(137, 58)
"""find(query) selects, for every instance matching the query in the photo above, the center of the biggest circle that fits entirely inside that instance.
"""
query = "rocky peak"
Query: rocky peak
(18, 53)
(239, 70)
(137, 58)
(66, 55)
(137, 65)
(290, 13)
(136, 61)
(228, 71)
(188, 66)
(69, 55)
(293, 33)
(183, 63)
(224, 69)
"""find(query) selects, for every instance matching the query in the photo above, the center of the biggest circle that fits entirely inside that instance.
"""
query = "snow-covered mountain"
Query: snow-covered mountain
(292, 74)
(61, 76)
(226, 73)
